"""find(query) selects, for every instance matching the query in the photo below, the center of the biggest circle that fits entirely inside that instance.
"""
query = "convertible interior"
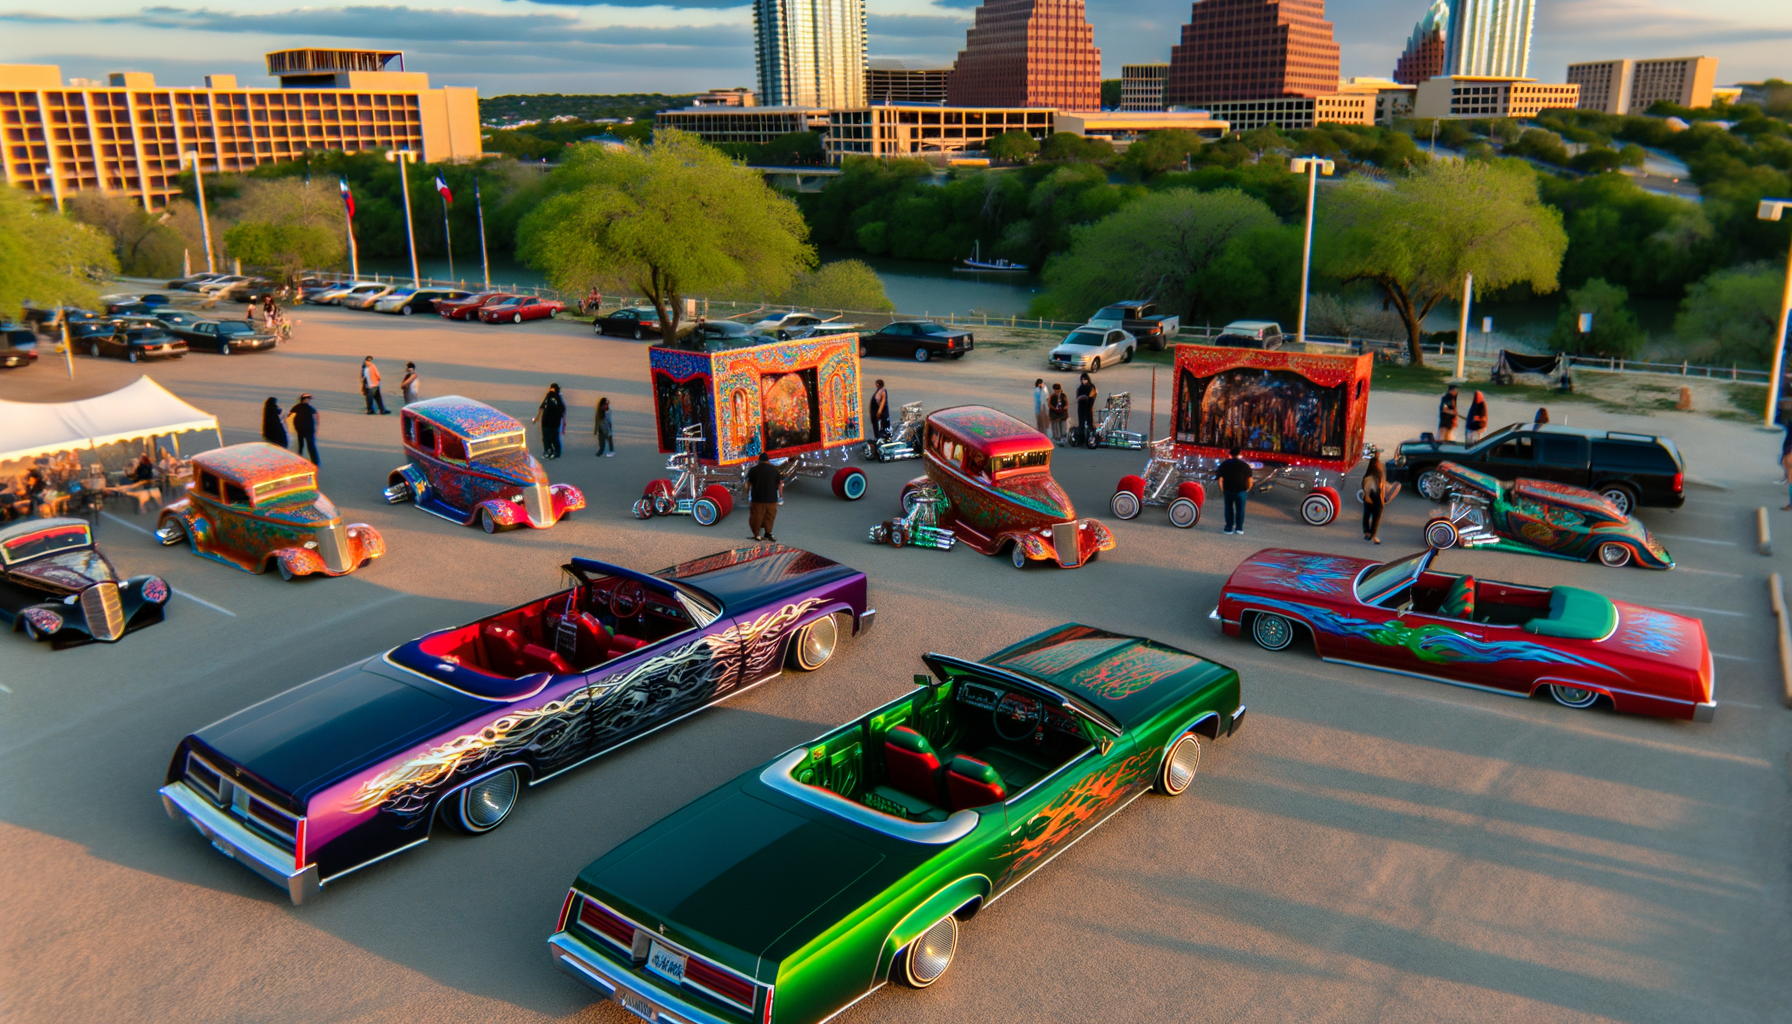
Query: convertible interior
(1566, 612)
(572, 631)
(964, 742)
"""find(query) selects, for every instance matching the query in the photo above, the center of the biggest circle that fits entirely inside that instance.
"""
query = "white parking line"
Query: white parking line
(128, 525)
(1709, 572)
(1739, 704)
(1697, 540)
(1732, 657)
(1707, 611)
(203, 601)
(5, 688)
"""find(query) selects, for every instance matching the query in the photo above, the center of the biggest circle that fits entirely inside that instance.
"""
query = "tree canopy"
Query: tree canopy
(286, 225)
(1614, 333)
(1730, 316)
(665, 220)
(841, 284)
(1417, 238)
(47, 258)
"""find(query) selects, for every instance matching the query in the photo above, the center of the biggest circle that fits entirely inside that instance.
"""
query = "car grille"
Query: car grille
(260, 814)
(105, 617)
(1064, 539)
(332, 546)
(537, 503)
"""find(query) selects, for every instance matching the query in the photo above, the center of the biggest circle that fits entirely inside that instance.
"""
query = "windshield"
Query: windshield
(1380, 581)
(494, 444)
(1112, 313)
(1003, 465)
(1085, 339)
(235, 327)
(43, 542)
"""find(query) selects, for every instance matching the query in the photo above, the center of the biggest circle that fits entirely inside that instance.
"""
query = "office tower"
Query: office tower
(1489, 38)
(889, 80)
(1142, 86)
(1604, 85)
(1253, 50)
(1424, 57)
(810, 53)
(1028, 53)
(1686, 81)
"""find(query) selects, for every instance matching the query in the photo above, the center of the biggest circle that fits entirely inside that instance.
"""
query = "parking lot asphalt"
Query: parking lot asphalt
(1369, 848)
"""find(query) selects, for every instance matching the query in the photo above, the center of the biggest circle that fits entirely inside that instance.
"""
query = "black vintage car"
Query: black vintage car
(136, 342)
(18, 345)
(222, 336)
(56, 586)
(1629, 469)
(920, 340)
(630, 321)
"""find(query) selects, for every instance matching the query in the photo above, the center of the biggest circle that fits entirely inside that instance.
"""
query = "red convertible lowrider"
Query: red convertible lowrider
(1401, 616)
(469, 307)
(518, 308)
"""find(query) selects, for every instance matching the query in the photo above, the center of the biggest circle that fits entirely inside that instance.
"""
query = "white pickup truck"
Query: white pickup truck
(1141, 320)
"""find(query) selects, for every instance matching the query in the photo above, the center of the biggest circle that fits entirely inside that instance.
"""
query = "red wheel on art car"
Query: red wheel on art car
(722, 497)
(849, 483)
(1129, 497)
(1193, 491)
(656, 487)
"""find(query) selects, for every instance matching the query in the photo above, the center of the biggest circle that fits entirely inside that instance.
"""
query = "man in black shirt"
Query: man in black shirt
(1085, 408)
(764, 483)
(1446, 415)
(1234, 476)
(305, 418)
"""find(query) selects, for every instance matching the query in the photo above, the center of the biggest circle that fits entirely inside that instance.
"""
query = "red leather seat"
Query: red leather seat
(973, 783)
(911, 763)
(537, 658)
(503, 647)
(620, 644)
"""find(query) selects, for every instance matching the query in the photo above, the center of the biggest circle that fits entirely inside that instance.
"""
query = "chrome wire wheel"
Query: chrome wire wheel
(1184, 513)
(1272, 632)
(1180, 765)
(1614, 555)
(485, 804)
(1573, 696)
(1017, 552)
(1433, 485)
(815, 644)
(1440, 534)
(930, 955)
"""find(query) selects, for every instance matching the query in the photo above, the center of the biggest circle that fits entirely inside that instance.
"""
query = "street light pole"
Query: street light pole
(402, 157)
(1314, 167)
(1468, 297)
(1770, 209)
(191, 156)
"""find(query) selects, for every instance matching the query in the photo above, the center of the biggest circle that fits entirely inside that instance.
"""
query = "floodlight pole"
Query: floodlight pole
(402, 157)
(191, 156)
(1468, 296)
(1770, 209)
(1314, 167)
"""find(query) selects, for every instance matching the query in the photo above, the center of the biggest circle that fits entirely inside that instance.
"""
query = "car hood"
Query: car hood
(731, 874)
(516, 466)
(318, 733)
(67, 571)
(1299, 572)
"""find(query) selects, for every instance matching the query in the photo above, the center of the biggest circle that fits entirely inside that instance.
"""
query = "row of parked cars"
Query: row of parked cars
(133, 328)
(492, 307)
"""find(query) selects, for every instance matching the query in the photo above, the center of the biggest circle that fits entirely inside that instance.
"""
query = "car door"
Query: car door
(1049, 815)
(1512, 457)
(206, 335)
(660, 681)
(887, 339)
(1563, 458)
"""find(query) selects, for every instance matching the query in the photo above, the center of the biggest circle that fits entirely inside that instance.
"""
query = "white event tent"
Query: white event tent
(139, 410)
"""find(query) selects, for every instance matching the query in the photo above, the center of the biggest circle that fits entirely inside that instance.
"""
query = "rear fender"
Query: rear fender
(964, 896)
(504, 512)
(198, 528)
(566, 498)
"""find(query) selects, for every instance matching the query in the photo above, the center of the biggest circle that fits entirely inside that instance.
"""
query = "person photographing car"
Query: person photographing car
(764, 485)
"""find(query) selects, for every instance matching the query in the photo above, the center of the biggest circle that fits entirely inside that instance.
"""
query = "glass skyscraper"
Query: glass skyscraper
(810, 53)
(1490, 37)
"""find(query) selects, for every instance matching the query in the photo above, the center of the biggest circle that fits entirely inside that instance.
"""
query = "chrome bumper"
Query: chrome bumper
(232, 840)
(1704, 712)
(867, 619)
(602, 975)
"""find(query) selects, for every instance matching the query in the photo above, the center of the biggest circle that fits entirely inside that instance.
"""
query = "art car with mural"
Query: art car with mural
(56, 585)
(855, 859)
(361, 763)
(992, 476)
(795, 401)
(257, 507)
(1539, 517)
(471, 463)
(1406, 616)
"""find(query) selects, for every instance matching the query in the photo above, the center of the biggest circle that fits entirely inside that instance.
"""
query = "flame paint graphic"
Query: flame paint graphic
(1087, 801)
(704, 669)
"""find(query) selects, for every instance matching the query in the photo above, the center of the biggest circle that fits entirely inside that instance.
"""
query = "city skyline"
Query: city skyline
(518, 46)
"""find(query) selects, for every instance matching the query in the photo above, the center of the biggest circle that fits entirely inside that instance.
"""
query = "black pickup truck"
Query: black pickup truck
(1140, 319)
(1630, 469)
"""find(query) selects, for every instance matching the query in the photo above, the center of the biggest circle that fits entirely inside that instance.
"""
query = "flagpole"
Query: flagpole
(354, 256)
(484, 261)
(448, 238)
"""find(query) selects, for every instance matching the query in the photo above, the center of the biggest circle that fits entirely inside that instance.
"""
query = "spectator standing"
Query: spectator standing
(606, 437)
(1058, 407)
(408, 386)
(273, 422)
(1446, 415)
(1377, 492)
(551, 414)
(305, 420)
(1477, 417)
(1234, 475)
(764, 487)
(592, 302)
(1041, 411)
(35, 489)
(370, 386)
(880, 410)
(1542, 417)
(1085, 408)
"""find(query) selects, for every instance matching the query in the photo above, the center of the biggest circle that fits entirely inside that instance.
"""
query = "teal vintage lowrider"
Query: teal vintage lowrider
(851, 860)
(1539, 517)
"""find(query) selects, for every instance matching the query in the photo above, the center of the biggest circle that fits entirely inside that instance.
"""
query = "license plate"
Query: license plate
(666, 963)
(635, 1004)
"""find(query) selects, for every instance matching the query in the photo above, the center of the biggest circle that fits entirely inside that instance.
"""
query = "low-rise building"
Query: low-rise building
(750, 125)
(126, 137)
(1472, 96)
(1633, 86)
(1142, 87)
(740, 96)
(894, 130)
(890, 80)
(1122, 126)
(1604, 85)
(1392, 98)
(1296, 112)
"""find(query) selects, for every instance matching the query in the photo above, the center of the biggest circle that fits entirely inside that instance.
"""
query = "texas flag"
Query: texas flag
(442, 187)
(348, 198)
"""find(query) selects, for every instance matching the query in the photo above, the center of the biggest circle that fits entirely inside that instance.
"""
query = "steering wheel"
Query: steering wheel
(627, 599)
(1017, 709)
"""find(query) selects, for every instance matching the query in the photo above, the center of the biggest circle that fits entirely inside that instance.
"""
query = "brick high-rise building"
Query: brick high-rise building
(1028, 53)
(1426, 52)
(1253, 49)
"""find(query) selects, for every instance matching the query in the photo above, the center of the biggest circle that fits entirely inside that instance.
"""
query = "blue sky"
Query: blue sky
(506, 46)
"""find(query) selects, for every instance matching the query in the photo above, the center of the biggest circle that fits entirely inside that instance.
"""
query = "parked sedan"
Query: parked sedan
(518, 308)
(173, 318)
(639, 321)
(336, 296)
(919, 339)
(131, 345)
(224, 336)
(133, 303)
(417, 300)
(364, 297)
(1088, 348)
(468, 308)
(18, 345)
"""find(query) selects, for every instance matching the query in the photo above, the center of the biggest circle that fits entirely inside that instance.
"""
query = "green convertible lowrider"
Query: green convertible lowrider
(805, 884)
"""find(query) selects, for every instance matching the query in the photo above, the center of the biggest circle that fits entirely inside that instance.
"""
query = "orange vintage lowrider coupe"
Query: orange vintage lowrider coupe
(257, 507)
(993, 475)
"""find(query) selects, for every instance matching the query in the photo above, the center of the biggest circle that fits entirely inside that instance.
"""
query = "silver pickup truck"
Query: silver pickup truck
(1140, 319)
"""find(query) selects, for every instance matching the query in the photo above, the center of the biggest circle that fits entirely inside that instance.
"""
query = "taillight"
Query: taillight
(768, 1005)
(565, 908)
(731, 987)
(298, 847)
(593, 916)
(1679, 482)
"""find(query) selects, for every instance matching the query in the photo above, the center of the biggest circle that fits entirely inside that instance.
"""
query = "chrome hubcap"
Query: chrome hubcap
(817, 643)
(1185, 758)
(490, 801)
(1272, 632)
(933, 952)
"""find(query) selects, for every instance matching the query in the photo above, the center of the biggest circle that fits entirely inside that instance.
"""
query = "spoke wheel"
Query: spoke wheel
(1621, 497)
(485, 804)
(1614, 555)
(1180, 765)
(1441, 534)
(928, 956)
(1272, 632)
(815, 644)
(1433, 485)
(921, 355)
(1573, 696)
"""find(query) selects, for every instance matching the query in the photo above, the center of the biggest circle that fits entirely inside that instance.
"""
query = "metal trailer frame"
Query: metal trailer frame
(919, 528)
(1176, 476)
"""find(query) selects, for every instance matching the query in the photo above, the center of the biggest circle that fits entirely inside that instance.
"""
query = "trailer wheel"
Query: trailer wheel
(1184, 513)
(1129, 497)
(705, 512)
(849, 483)
(720, 497)
(643, 509)
(1320, 506)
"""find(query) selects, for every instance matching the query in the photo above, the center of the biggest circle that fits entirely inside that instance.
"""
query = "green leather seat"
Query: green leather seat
(1576, 614)
(1459, 602)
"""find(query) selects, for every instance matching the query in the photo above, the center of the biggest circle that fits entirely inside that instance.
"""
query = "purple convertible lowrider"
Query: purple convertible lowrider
(330, 776)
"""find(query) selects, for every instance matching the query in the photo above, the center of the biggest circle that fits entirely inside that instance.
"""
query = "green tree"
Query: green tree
(144, 245)
(1614, 332)
(1112, 92)
(1069, 147)
(286, 226)
(841, 284)
(1632, 155)
(1418, 238)
(665, 220)
(1730, 316)
(1015, 147)
(1596, 160)
(47, 258)
(1156, 247)
(1162, 151)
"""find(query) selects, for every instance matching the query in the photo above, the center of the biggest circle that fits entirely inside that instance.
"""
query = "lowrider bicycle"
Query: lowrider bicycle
(851, 861)
(1402, 616)
(56, 585)
(469, 463)
(359, 764)
(257, 507)
(1539, 517)
(995, 476)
